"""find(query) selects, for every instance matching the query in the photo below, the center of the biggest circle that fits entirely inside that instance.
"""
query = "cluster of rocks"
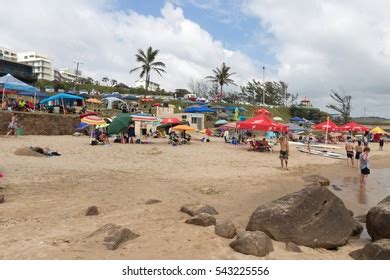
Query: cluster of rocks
(312, 217)
(378, 227)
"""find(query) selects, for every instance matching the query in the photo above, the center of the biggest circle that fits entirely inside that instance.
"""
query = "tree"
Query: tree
(113, 82)
(275, 93)
(148, 64)
(105, 80)
(200, 88)
(343, 105)
(222, 77)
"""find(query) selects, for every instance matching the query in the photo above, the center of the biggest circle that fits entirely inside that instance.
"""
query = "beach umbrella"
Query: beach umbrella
(231, 125)
(184, 127)
(88, 114)
(156, 105)
(278, 119)
(119, 124)
(262, 111)
(93, 100)
(170, 121)
(143, 118)
(377, 130)
(221, 122)
(93, 120)
(326, 126)
(262, 122)
(352, 126)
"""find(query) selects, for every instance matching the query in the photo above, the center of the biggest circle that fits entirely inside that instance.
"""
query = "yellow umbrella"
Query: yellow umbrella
(93, 100)
(93, 120)
(378, 130)
(184, 128)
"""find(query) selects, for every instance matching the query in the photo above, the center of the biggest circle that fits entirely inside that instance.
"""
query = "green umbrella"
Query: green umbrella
(119, 124)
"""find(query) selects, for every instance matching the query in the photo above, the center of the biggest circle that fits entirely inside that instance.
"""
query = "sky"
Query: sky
(313, 45)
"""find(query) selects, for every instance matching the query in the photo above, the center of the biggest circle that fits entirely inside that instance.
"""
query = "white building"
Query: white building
(42, 65)
(195, 120)
(8, 54)
(140, 83)
(67, 75)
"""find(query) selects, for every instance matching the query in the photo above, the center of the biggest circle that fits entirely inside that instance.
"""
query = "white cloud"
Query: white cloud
(322, 45)
(106, 40)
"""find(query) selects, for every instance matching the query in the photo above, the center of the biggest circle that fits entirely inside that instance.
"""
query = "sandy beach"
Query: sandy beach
(43, 215)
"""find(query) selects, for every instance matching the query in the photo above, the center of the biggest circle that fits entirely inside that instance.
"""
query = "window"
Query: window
(5, 52)
(25, 57)
(194, 120)
(31, 55)
(184, 117)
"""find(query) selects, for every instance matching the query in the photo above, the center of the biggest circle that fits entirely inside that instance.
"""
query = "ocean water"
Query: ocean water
(360, 200)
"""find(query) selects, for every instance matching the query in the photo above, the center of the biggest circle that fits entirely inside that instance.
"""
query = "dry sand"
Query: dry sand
(43, 216)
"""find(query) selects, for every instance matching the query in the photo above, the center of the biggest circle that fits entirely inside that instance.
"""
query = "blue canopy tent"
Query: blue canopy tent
(297, 119)
(10, 82)
(199, 109)
(63, 97)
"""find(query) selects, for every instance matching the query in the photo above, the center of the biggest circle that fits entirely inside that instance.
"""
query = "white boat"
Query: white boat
(323, 153)
(319, 146)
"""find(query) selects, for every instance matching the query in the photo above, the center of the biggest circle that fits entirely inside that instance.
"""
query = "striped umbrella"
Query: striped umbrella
(93, 120)
(141, 118)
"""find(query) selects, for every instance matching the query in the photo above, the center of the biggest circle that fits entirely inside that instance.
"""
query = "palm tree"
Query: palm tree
(148, 64)
(105, 80)
(222, 77)
(113, 82)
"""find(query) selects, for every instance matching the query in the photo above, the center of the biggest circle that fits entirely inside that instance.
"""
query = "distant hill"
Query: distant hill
(372, 120)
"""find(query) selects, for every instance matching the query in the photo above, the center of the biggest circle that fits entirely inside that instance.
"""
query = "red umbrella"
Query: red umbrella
(170, 121)
(327, 125)
(352, 126)
(262, 122)
(262, 111)
(88, 114)
(156, 105)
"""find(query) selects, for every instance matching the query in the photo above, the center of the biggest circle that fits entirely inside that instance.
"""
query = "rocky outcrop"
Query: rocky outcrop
(378, 220)
(202, 219)
(379, 250)
(113, 235)
(312, 217)
(195, 209)
(92, 211)
(292, 247)
(225, 228)
(254, 243)
(152, 201)
(316, 180)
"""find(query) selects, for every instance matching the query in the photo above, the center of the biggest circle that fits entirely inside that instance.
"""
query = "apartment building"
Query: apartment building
(140, 83)
(42, 65)
(8, 54)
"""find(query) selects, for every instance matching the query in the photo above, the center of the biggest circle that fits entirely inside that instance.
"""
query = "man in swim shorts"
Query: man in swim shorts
(349, 149)
(283, 141)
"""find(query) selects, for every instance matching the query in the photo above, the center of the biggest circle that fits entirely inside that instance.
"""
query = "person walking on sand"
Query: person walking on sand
(13, 126)
(284, 149)
(364, 167)
(365, 139)
(381, 143)
(349, 149)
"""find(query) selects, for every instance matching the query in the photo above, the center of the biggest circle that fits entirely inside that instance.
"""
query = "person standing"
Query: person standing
(13, 125)
(284, 149)
(364, 167)
(381, 143)
(358, 151)
(349, 149)
(365, 139)
(131, 133)
(226, 136)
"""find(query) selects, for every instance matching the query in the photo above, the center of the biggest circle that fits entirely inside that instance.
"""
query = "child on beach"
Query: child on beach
(13, 126)
(364, 167)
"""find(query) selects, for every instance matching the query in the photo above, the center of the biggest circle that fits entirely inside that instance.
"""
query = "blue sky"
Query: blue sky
(224, 20)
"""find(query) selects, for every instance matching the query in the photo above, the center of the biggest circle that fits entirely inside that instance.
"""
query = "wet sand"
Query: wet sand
(43, 216)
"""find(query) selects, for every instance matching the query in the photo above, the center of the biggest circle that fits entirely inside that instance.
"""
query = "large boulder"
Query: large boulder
(225, 228)
(316, 180)
(312, 217)
(378, 250)
(254, 243)
(378, 220)
(202, 219)
(113, 235)
(195, 209)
